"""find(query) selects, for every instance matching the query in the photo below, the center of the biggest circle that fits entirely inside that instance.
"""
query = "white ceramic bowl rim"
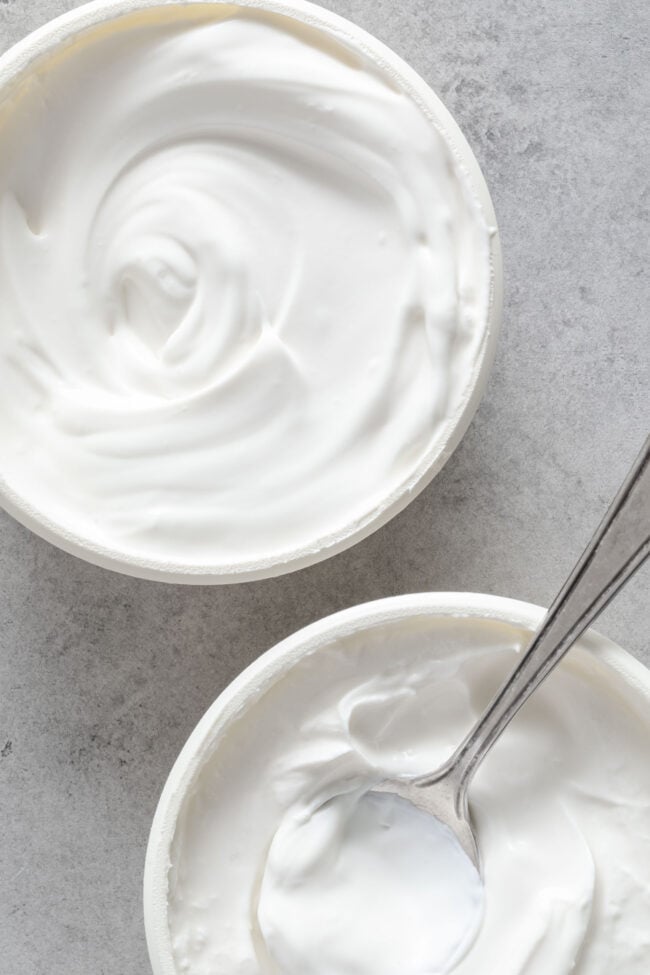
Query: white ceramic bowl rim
(69, 27)
(256, 679)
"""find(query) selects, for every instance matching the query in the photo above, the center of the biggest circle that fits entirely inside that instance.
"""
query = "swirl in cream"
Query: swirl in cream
(243, 291)
(282, 864)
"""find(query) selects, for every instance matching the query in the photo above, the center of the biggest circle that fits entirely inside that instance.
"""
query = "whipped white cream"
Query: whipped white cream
(282, 864)
(362, 881)
(243, 291)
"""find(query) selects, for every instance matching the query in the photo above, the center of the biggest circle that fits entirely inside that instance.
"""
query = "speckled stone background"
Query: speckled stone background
(102, 677)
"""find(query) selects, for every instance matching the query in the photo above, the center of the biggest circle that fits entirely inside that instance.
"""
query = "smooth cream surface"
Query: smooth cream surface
(243, 289)
(279, 867)
(337, 891)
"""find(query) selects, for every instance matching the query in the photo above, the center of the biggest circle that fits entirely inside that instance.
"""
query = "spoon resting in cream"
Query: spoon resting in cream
(375, 870)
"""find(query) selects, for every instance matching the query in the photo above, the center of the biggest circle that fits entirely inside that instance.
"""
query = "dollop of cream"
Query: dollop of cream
(283, 863)
(243, 290)
(365, 882)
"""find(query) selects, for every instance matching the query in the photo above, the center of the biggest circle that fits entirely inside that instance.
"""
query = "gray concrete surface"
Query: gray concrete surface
(103, 677)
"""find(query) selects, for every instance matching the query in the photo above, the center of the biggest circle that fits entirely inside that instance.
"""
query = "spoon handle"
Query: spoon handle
(620, 545)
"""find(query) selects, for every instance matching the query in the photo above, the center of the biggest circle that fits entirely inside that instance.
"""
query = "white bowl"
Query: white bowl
(52, 38)
(615, 664)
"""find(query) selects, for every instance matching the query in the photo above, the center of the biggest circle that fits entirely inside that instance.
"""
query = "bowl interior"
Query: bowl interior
(101, 19)
(594, 658)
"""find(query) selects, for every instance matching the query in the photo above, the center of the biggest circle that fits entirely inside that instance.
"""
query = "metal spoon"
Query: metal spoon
(619, 547)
